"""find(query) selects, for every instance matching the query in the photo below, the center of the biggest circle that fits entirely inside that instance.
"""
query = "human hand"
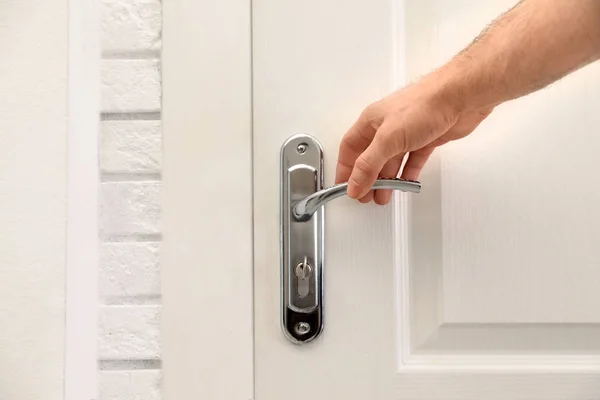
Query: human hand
(414, 121)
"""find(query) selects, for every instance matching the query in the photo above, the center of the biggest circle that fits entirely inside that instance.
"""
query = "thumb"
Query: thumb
(369, 164)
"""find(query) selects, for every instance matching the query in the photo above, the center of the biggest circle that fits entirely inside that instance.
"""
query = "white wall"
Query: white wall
(33, 171)
(34, 57)
(129, 216)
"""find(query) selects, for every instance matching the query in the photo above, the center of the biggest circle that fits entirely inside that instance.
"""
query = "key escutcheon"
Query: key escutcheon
(303, 272)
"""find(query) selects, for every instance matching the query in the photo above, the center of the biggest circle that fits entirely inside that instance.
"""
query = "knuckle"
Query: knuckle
(395, 139)
(363, 165)
(372, 114)
(350, 143)
(370, 111)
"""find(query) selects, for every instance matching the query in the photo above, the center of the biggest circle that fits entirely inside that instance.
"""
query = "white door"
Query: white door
(486, 285)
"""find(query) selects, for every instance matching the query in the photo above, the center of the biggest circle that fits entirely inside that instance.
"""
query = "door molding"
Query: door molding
(81, 336)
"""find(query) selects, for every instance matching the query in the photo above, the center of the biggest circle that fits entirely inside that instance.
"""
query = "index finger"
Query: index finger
(353, 144)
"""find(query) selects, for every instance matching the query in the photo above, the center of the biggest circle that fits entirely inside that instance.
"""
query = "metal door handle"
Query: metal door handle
(303, 231)
(305, 208)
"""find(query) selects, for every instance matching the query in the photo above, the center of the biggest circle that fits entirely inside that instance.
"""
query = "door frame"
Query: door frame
(221, 363)
(207, 317)
(81, 286)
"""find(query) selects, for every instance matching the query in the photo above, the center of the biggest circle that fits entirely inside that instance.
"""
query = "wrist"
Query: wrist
(445, 93)
(457, 90)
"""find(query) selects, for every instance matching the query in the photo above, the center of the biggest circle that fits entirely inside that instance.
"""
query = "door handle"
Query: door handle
(304, 209)
(302, 234)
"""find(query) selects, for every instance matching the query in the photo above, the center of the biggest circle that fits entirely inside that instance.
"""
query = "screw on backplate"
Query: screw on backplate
(302, 147)
(302, 328)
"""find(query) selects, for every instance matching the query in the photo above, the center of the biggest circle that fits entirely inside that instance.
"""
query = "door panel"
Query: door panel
(481, 286)
(511, 245)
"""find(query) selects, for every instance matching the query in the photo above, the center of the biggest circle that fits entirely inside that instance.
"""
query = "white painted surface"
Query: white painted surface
(129, 333)
(530, 254)
(128, 385)
(511, 244)
(33, 198)
(318, 83)
(131, 26)
(129, 208)
(130, 162)
(207, 201)
(129, 270)
(131, 147)
(80, 373)
(130, 85)
(414, 292)
(36, 225)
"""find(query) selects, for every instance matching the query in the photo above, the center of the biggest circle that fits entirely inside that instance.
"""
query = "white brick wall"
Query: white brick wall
(130, 385)
(129, 333)
(131, 146)
(129, 270)
(129, 208)
(131, 25)
(130, 163)
(130, 86)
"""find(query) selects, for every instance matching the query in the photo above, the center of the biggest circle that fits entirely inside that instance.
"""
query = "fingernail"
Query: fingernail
(353, 189)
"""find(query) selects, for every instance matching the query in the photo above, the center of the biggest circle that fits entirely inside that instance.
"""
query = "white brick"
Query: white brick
(130, 385)
(131, 86)
(131, 25)
(131, 146)
(129, 269)
(129, 208)
(129, 333)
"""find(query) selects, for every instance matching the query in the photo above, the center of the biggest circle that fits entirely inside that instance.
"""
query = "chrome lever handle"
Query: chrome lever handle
(302, 235)
(305, 208)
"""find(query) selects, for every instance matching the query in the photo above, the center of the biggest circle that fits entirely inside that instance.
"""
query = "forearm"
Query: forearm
(534, 44)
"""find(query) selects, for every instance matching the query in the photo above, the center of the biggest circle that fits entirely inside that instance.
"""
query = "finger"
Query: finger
(368, 197)
(415, 163)
(389, 170)
(370, 162)
(355, 141)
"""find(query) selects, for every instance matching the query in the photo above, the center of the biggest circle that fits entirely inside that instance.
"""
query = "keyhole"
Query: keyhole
(303, 272)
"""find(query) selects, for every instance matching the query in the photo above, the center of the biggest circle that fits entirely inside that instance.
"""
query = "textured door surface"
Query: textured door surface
(484, 285)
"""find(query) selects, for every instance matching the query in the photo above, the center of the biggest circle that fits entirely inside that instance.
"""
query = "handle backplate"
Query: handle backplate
(302, 243)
